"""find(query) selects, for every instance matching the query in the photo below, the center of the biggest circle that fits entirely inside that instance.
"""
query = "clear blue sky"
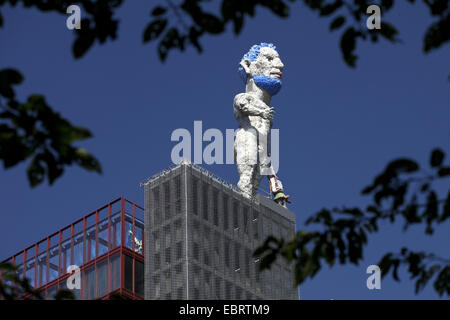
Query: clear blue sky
(338, 126)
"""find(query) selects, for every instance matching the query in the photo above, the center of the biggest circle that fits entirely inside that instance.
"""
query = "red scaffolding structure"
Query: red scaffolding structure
(107, 246)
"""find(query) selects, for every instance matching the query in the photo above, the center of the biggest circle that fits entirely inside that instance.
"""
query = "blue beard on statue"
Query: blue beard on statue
(270, 84)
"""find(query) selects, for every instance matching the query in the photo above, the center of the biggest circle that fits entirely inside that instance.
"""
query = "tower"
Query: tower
(200, 234)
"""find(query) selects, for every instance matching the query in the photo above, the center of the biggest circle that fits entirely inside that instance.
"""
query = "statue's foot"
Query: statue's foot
(246, 194)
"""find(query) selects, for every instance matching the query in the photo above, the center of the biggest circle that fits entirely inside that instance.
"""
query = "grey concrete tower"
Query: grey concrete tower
(200, 233)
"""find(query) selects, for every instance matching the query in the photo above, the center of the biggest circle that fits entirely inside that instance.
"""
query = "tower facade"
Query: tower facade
(200, 234)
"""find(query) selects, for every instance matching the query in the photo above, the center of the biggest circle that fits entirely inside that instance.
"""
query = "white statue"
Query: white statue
(260, 68)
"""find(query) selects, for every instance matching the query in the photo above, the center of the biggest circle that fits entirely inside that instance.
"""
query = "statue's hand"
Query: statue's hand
(268, 113)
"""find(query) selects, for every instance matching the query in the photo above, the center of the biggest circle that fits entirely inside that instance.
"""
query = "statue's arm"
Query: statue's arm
(248, 104)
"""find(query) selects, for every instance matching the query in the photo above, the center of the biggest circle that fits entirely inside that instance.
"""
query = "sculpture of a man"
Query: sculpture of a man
(261, 70)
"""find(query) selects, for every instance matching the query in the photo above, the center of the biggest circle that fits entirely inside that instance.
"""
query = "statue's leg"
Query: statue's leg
(263, 167)
(246, 159)
(247, 179)
(256, 180)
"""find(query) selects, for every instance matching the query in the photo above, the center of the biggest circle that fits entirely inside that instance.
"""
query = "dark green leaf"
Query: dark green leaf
(437, 156)
(64, 294)
(158, 11)
(388, 31)
(82, 44)
(36, 171)
(442, 283)
(383, 193)
(399, 195)
(163, 50)
(373, 37)
(431, 212)
(425, 276)
(323, 216)
(410, 214)
(424, 187)
(278, 7)
(13, 148)
(437, 34)
(228, 9)
(238, 22)
(86, 160)
(396, 264)
(341, 246)
(194, 34)
(211, 24)
(267, 261)
(387, 4)
(39, 133)
(348, 45)
(170, 40)
(356, 212)
(444, 171)
(446, 209)
(154, 30)
(7, 267)
(363, 235)
(8, 78)
(337, 23)
(386, 263)
(437, 7)
(368, 189)
(414, 261)
(328, 9)
(402, 166)
(54, 170)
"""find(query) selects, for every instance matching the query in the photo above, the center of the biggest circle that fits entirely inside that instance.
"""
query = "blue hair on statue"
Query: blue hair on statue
(252, 55)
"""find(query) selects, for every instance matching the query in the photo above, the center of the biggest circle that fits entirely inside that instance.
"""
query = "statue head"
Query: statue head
(262, 64)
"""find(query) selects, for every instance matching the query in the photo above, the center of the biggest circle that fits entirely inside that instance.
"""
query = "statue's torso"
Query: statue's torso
(247, 121)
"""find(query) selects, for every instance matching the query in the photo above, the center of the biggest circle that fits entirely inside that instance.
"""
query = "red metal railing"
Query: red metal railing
(108, 233)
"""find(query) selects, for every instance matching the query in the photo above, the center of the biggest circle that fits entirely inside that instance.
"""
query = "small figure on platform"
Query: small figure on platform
(276, 189)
